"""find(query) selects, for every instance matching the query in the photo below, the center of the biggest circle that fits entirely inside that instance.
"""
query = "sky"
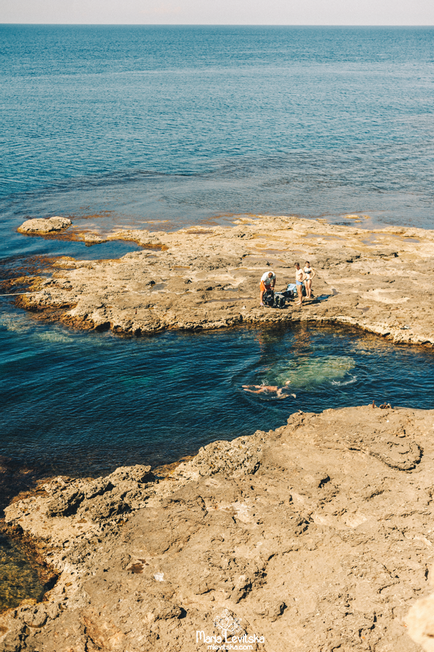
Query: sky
(220, 12)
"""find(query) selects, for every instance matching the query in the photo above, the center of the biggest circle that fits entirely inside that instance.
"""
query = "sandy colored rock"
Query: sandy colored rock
(206, 278)
(420, 619)
(317, 536)
(42, 226)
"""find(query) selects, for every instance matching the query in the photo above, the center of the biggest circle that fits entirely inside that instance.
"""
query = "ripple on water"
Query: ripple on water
(14, 321)
(348, 381)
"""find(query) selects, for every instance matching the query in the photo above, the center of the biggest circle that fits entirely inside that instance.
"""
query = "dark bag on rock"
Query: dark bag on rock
(274, 299)
(268, 298)
(279, 300)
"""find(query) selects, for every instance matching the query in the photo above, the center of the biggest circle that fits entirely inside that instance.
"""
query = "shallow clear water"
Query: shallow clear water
(19, 581)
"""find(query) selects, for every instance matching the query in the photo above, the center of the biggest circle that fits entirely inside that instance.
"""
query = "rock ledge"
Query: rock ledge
(316, 536)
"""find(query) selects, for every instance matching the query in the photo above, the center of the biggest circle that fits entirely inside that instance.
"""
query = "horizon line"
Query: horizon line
(215, 25)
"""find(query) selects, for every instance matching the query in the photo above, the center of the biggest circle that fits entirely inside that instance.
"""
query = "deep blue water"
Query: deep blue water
(77, 402)
(188, 123)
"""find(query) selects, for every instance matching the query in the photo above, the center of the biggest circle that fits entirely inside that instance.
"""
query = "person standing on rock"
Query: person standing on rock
(310, 273)
(300, 276)
(268, 281)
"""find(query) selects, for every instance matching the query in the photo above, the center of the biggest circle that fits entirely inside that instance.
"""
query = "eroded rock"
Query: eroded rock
(204, 279)
(316, 536)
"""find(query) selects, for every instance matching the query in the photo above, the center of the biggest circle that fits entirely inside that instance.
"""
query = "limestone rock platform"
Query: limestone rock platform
(204, 278)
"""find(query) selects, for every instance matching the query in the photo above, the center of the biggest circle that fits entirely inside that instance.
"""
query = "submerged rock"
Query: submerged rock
(316, 536)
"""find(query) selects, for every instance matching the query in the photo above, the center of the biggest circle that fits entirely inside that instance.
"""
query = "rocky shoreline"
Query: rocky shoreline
(314, 537)
(207, 278)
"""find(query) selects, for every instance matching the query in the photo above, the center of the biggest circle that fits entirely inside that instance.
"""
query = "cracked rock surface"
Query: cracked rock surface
(317, 536)
(206, 278)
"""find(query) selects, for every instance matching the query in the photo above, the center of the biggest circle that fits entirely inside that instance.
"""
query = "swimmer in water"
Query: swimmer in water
(260, 389)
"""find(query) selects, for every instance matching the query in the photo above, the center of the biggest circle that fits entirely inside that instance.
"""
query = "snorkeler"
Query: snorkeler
(260, 389)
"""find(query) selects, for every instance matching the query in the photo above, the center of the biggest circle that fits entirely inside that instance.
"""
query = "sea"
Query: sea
(162, 127)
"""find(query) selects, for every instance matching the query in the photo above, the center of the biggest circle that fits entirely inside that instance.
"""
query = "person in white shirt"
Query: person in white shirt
(268, 281)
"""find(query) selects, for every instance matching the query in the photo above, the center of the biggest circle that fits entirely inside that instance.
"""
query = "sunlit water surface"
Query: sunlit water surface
(166, 126)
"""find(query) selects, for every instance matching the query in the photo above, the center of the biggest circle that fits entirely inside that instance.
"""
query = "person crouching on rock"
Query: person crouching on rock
(300, 276)
(268, 281)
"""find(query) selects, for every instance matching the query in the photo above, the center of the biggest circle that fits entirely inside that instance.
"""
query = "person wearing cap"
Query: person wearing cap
(268, 281)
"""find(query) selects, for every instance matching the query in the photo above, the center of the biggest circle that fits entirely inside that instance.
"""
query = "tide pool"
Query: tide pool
(84, 403)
